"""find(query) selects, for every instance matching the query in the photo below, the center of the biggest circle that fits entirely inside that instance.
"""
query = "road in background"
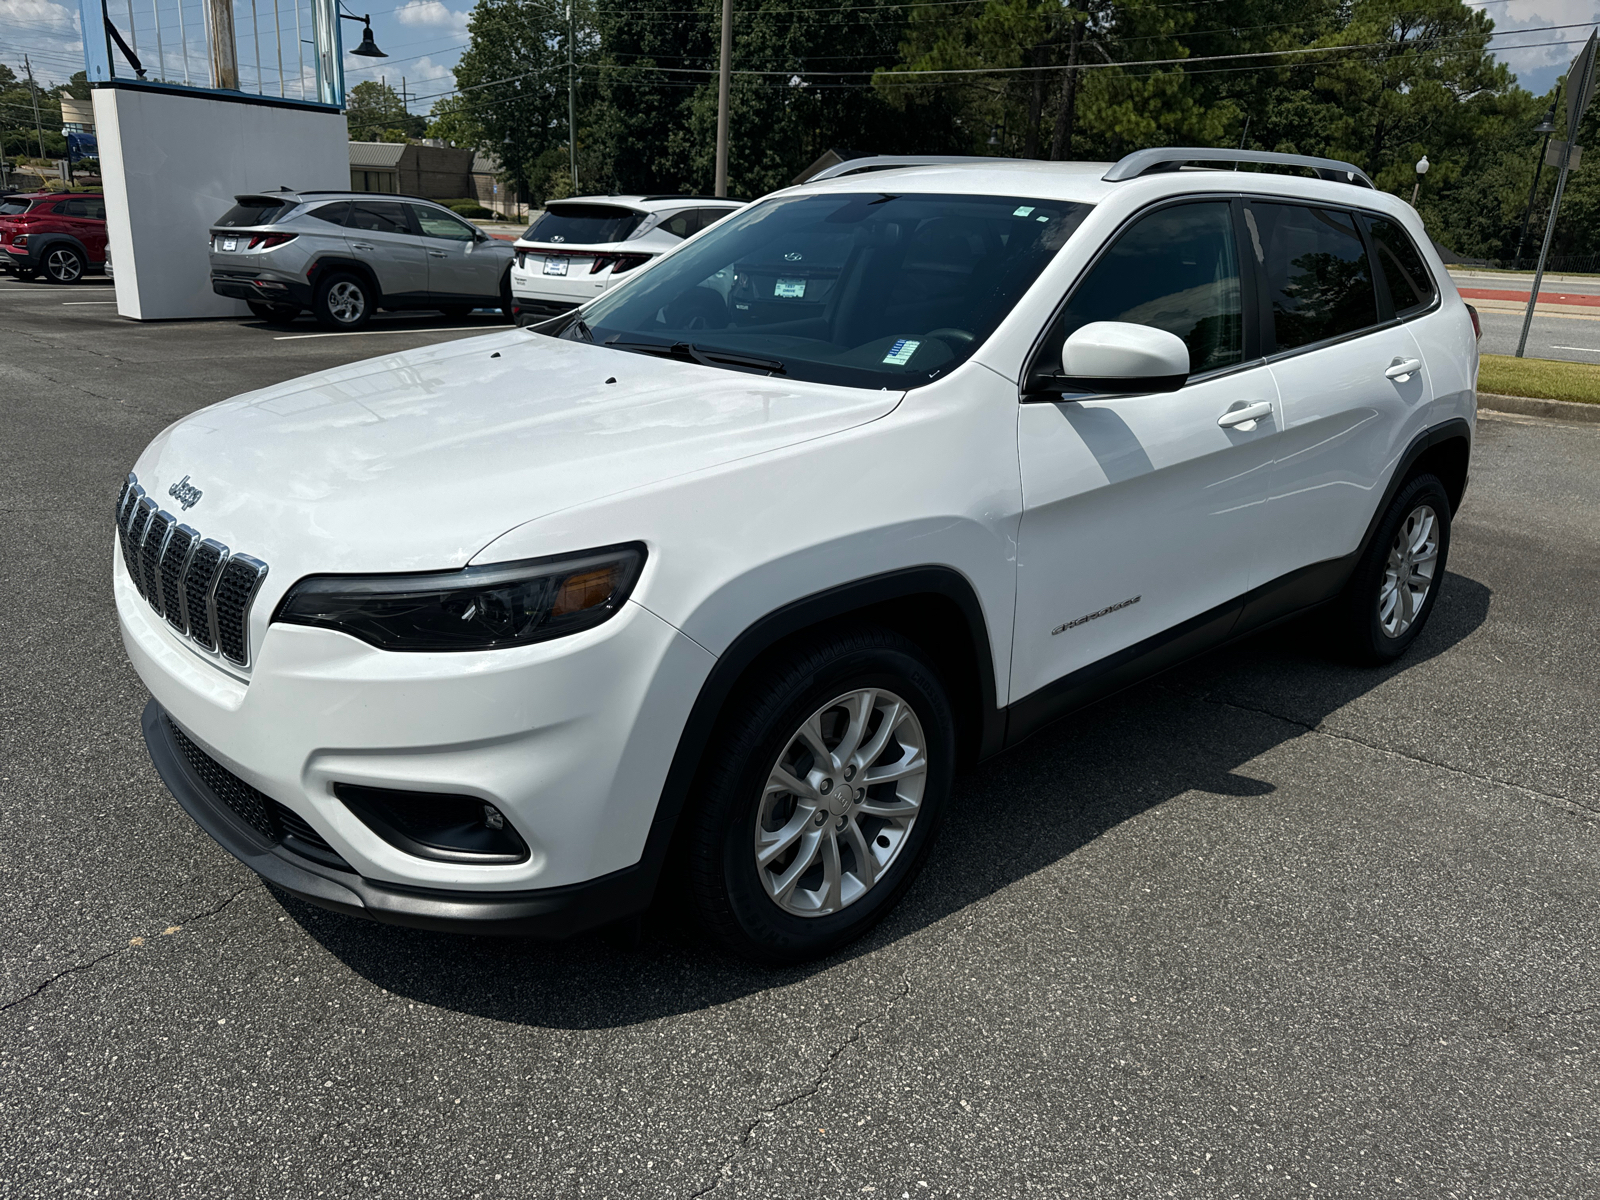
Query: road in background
(1569, 331)
(1265, 924)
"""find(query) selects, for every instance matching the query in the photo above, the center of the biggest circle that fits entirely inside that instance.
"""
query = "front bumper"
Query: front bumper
(544, 912)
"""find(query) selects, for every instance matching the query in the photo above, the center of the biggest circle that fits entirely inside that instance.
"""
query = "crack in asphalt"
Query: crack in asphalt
(1550, 797)
(78, 968)
(805, 1093)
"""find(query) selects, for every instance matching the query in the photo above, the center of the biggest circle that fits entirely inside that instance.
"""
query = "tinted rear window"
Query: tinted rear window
(584, 224)
(1319, 280)
(253, 212)
(10, 208)
(1410, 286)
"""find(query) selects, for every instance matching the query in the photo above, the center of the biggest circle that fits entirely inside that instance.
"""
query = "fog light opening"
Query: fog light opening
(441, 826)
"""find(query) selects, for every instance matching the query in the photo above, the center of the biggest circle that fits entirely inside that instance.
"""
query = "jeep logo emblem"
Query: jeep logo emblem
(185, 493)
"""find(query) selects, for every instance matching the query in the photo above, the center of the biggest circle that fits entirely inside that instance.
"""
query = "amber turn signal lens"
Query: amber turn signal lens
(585, 590)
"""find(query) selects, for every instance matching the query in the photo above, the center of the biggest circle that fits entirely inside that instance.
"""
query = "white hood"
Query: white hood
(417, 460)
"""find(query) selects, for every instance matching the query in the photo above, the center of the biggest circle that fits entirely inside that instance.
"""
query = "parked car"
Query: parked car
(60, 236)
(343, 255)
(727, 571)
(578, 248)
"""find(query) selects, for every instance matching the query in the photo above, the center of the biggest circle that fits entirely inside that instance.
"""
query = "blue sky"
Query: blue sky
(423, 38)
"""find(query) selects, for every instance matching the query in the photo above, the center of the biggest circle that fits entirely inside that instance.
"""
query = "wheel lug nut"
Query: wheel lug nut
(827, 786)
(822, 818)
(850, 772)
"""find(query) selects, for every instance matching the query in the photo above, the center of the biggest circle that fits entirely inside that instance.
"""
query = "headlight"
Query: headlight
(475, 608)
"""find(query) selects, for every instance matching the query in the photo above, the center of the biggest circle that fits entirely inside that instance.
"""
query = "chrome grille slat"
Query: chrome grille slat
(155, 545)
(174, 562)
(204, 591)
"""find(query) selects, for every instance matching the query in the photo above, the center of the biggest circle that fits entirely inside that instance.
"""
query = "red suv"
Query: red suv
(60, 235)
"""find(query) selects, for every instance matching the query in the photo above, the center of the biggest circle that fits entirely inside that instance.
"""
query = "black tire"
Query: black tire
(343, 301)
(1374, 606)
(273, 314)
(63, 264)
(456, 312)
(761, 723)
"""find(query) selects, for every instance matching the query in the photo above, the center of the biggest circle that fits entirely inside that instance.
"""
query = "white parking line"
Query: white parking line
(296, 337)
(1579, 349)
(70, 303)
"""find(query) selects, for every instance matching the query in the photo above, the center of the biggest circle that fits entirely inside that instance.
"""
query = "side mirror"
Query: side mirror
(1124, 359)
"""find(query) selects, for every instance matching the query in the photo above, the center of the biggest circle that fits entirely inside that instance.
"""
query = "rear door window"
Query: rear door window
(1400, 265)
(379, 216)
(1319, 280)
(584, 224)
(683, 224)
(1176, 269)
(333, 214)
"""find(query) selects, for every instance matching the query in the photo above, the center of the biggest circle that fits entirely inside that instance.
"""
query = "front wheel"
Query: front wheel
(63, 264)
(343, 301)
(1393, 590)
(823, 792)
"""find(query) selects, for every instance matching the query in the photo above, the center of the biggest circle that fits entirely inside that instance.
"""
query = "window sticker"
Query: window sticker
(790, 289)
(1023, 211)
(900, 353)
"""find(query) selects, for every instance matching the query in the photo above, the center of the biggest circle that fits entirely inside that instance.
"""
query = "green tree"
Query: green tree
(374, 112)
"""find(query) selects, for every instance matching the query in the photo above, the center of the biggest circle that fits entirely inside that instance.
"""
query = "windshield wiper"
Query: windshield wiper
(704, 355)
(583, 330)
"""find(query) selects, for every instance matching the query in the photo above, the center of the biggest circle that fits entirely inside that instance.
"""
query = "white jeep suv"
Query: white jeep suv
(725, 574)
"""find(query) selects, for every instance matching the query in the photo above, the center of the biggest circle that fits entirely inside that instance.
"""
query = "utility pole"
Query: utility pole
(723, 76)
(1580, 90)
(572, 103)
(34, 92)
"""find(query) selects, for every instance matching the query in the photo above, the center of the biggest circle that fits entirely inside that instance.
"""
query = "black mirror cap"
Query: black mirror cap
(1070, 387)
(440, 826)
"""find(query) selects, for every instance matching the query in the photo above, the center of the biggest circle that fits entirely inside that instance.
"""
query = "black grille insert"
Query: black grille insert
(172, 564)
(136, 524)
(275, 822)
(203, 566)
(155, 541)
(236, 587)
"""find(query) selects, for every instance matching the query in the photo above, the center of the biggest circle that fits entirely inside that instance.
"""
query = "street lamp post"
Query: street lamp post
(1422, 169)
(1547, 126)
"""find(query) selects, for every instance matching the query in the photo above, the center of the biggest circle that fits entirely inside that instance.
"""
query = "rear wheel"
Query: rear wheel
(274, 314)
(824, 789)
(63, 264)
(343, 301)
(1392, 593)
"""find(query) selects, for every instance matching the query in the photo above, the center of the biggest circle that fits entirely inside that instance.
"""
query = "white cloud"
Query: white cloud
(47, 33)
(431, 13)
(1526, 23)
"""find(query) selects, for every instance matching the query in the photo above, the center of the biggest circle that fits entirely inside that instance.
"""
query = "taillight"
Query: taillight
(266, 241)
(627, 262)
(1477, 325)
(522, 259)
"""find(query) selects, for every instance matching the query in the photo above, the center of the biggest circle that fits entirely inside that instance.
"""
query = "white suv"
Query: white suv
(723, 576)
(578, 248)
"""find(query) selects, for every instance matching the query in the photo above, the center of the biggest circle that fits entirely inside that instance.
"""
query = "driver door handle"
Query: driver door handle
(1402, 369)
(437, 254)
(1247, 416)
(362, 246)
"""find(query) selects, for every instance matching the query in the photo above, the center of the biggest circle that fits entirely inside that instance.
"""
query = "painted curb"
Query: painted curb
(1561, 410)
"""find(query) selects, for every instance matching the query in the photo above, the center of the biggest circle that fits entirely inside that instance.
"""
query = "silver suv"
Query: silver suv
(344, 255)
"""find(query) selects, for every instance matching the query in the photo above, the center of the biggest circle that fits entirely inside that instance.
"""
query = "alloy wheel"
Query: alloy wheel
(63, 265)
(840, 801)
(346, 302)
(1408, 574)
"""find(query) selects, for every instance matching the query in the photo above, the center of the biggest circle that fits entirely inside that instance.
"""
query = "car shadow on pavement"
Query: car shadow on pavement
(1011, 817)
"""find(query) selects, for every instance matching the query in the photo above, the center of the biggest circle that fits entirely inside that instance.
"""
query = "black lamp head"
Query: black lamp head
(368, 48)
(1547, 124)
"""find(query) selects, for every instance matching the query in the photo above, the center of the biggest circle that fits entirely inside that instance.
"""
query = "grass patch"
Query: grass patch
(1540, 378)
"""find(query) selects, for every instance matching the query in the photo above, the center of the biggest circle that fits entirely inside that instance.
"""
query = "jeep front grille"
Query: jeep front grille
(203, 589)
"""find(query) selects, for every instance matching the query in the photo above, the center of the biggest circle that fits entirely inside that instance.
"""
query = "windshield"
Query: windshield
(867, 290)
(584, 224)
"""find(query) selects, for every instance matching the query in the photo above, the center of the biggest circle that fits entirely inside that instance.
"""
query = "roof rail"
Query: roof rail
(1149, 162)
(887, 162)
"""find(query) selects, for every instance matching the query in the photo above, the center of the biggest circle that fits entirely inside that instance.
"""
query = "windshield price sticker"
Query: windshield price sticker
(790, 289)
(900, 353)
(1023, 211)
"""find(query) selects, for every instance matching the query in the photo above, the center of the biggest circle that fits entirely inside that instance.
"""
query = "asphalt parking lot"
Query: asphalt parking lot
(1267, 926)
